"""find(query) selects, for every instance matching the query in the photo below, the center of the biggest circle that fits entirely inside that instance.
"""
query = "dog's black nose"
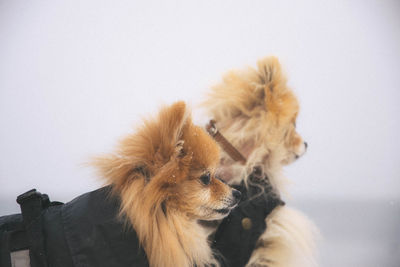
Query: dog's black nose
(236, 194)
(306, 145)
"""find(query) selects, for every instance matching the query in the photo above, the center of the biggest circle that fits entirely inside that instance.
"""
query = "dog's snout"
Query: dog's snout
(306, 145)
(236, 194)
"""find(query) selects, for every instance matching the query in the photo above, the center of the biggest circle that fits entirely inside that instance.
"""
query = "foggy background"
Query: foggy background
(75, 76)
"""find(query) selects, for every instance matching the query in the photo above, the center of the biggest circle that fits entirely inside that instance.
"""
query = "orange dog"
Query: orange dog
(164, 175)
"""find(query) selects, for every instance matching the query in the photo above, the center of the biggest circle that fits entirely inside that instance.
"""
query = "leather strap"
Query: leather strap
(228, 147)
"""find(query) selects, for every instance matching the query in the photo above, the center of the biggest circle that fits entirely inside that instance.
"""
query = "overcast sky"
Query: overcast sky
(77, 75)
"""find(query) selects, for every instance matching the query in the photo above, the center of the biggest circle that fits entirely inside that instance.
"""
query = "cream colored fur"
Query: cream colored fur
(290, 238)
(256, 111)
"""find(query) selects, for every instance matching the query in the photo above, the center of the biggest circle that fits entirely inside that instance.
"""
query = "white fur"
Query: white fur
(291, 237)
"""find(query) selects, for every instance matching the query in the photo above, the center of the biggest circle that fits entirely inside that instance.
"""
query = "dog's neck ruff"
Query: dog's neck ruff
(225, 144)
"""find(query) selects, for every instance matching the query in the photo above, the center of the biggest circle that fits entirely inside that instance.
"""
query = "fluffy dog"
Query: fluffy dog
(256, 111)
(165, 176)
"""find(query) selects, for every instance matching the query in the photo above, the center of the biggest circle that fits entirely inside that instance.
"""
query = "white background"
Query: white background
(77, 75)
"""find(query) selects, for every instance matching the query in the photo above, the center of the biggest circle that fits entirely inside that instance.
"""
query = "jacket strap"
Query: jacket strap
(32, 203)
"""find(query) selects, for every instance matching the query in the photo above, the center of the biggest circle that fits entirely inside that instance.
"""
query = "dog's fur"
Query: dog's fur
(160, 173)
(256, 111)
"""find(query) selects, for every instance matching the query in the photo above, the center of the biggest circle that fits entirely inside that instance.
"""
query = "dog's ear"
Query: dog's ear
(278, 98)
(171, 123)
(270, 74)
(152, 145)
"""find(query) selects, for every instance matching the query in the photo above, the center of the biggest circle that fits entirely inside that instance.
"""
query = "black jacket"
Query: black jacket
(237, 235)
(87, 232)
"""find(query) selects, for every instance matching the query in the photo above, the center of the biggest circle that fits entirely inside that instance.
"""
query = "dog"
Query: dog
(164, 174)
(256, 112)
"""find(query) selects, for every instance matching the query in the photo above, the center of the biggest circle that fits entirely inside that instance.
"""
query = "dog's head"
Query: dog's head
(169, 165)
(256, 111)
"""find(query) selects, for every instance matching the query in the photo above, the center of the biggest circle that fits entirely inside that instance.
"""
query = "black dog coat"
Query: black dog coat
(238, 233)
(87, 232)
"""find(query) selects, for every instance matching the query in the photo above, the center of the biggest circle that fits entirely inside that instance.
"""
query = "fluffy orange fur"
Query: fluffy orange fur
(256, 111)
(157, 173)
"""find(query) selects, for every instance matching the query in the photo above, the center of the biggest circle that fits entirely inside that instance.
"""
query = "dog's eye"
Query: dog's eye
(206, 178)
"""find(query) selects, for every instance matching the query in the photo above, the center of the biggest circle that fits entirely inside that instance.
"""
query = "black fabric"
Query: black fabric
(87, 232)
(233, 241)
(95, 234)
(11, 227)
(91, 234)
(32, 204)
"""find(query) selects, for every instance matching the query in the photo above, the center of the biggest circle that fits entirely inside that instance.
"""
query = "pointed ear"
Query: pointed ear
(171, 122)
(154, 143)
(278, 98)
(270, 74)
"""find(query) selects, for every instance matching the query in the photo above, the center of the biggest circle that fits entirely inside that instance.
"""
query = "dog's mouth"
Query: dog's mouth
(292, 158)
(214, 213)
(227, 209)
(222, 211)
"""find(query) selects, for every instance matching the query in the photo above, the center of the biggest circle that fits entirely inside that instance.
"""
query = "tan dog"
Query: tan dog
(164, 175)
(256, 111)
